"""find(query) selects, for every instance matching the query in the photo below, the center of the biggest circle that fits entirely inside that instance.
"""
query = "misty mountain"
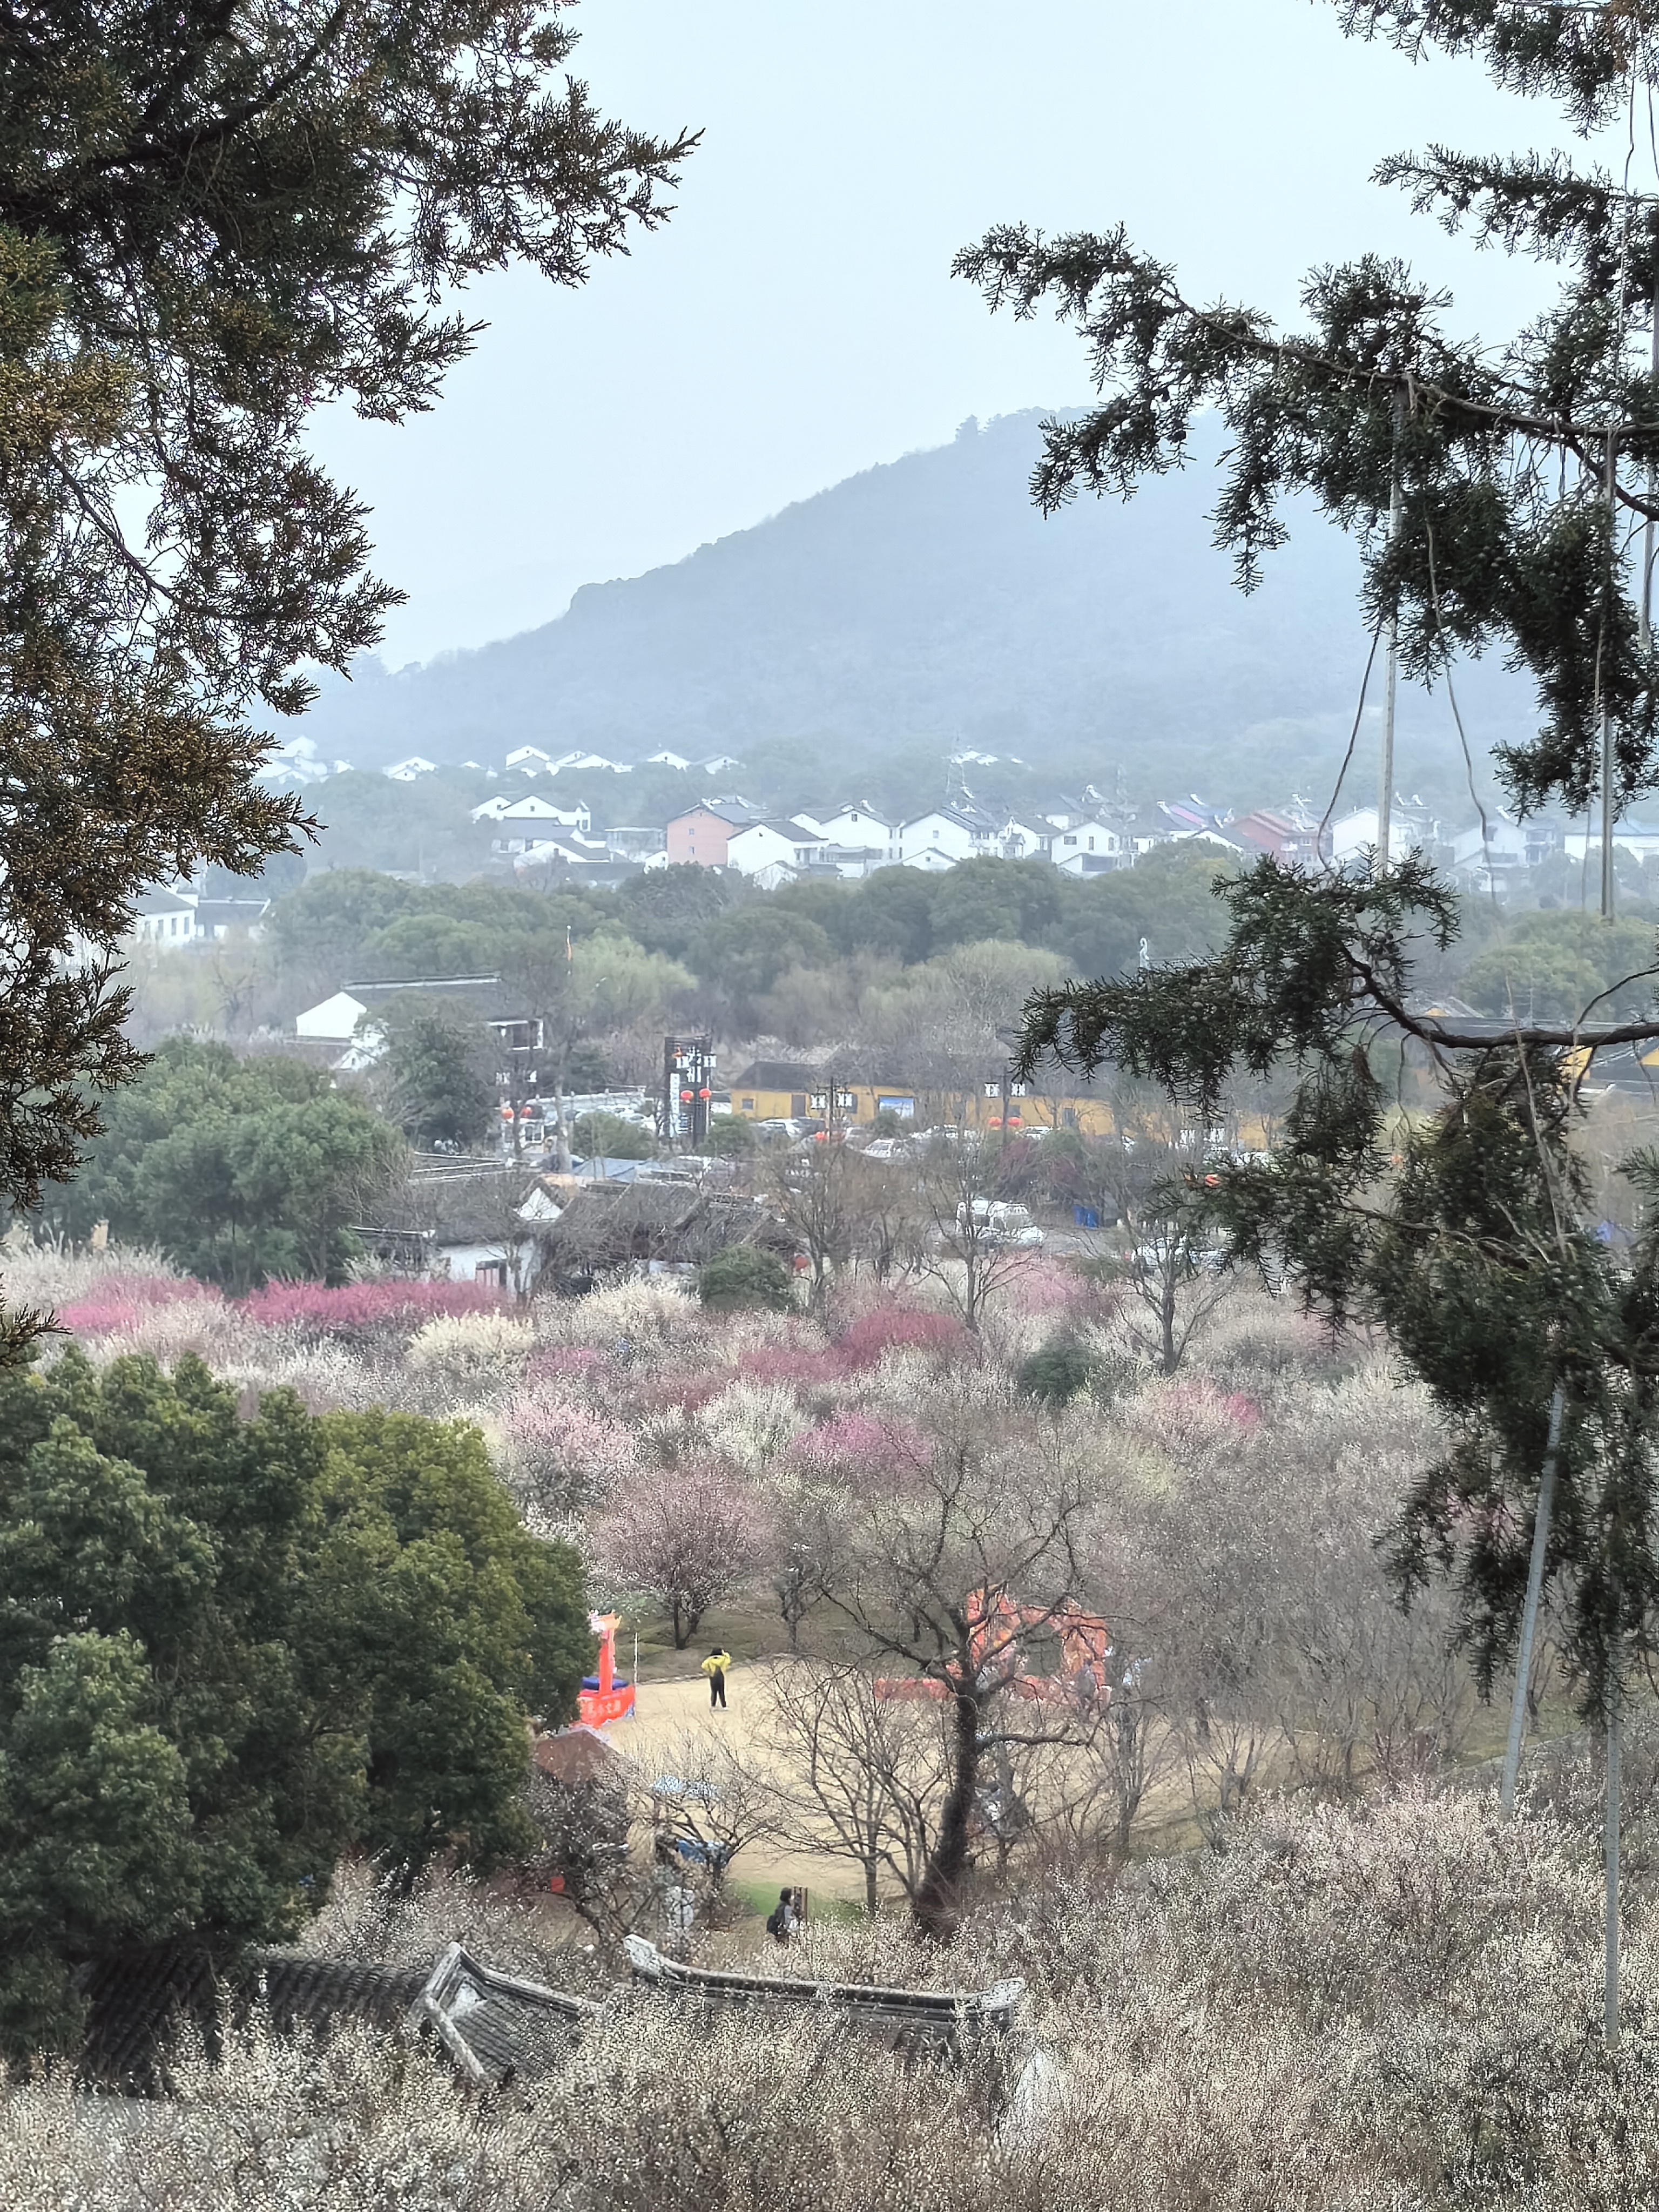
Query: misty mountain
(924, 606)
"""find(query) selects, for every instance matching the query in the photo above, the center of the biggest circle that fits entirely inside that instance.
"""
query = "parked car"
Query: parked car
(998, 1221)
(890, 1148)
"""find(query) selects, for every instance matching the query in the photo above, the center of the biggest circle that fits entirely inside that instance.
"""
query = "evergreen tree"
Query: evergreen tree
(216, 215)
(1500, 497)
(238, 1170)
(230, 1650)
(440, 1087)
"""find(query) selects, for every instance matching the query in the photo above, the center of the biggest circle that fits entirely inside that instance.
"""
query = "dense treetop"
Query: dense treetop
(232, 1649)
(237, 1170)
(216, 215)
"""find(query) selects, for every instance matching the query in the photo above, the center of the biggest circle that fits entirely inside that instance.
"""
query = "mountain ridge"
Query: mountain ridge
(923, 605)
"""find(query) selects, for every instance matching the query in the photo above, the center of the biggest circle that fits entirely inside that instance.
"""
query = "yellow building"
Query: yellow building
(783, 1090)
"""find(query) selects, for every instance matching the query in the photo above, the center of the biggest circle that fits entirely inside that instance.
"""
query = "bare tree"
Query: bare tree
(707, 1802)
(972, 1251)
(890, 1218)
(809, 1188)
(863, 1774)
(1131, 1750)
(942, 1566)
(586, 1831)
(1177, 1284)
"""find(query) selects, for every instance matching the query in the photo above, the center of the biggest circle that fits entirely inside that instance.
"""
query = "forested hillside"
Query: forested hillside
(926, 606)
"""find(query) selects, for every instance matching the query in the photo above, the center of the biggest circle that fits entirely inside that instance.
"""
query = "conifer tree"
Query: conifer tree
(1504, 498)
(216, 216)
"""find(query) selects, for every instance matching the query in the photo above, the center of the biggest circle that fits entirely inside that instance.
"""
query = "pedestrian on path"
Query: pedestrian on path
(782, 1920)
(714, 1666)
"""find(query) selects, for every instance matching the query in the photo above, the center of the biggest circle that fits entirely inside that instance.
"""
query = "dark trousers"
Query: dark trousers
(717, 1692)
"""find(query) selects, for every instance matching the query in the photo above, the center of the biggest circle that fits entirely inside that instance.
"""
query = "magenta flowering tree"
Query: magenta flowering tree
(369, 1309)
(898, 1329)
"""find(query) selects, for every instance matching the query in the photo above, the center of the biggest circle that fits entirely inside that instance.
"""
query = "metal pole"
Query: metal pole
(1391, 680)
(1540, 1538)
(1610, 2018)
(1644, 619)
(1607, 736)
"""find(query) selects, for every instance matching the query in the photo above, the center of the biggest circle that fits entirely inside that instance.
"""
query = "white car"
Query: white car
(997, 1221)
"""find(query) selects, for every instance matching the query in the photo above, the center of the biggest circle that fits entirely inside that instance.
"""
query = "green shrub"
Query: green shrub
(744, 1276)
(729, 1137)
(1058, 1371)
(608, 1136)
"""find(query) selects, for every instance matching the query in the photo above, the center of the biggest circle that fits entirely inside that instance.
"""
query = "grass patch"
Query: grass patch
(759, 1898)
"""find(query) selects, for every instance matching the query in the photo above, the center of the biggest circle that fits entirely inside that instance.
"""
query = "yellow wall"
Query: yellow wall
(1092, 1117)
(1089, 1117)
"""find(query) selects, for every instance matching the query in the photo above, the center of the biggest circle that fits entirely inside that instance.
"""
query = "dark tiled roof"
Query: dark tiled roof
(493, 2024)
(911, 2018)
(777, 1075)
(490, 2025)
(137, 2002)
(475, 1208)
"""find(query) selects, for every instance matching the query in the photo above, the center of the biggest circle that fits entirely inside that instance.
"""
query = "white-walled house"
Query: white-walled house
(1503, 848)
(860, 828)
(773, 852)
(588, 761)
(529, 760)
(570, 846)
(949, 833)
(333, 1021)
(180, 915)
(162, 918)
(1086, 848)
(407, 771)
(1018, 840)
(938, 839)
(665, 759)
(533, 807)
(1639, 839)
(1356, 834)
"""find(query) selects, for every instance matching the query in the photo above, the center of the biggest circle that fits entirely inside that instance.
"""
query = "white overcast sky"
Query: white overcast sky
(796, 321)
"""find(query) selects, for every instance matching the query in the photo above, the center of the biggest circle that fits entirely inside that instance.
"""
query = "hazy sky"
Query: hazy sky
(796, 321)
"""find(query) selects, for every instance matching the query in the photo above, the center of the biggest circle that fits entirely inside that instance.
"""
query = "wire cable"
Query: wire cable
(1353, 739)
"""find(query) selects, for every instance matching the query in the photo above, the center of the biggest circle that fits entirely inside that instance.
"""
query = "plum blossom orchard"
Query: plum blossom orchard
(830, 1492)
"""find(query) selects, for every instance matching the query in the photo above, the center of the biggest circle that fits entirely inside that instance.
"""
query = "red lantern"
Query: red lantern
(705, 1092)
(685, 1098)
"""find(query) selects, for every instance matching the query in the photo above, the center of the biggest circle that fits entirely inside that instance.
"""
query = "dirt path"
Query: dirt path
(668, 1712)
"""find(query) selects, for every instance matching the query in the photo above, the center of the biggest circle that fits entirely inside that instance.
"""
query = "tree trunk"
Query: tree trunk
(1540, 1538)
(1610, 1863)
(870, 1898)
(939, 1901)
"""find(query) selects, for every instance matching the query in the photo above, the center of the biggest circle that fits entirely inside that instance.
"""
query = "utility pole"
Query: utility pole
(1615, 1698)
(1644, 613)
(1607, 724)
(1391, 679)
(1540, 1538)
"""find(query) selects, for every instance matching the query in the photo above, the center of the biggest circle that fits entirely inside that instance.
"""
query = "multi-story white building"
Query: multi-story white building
(772, 853)
(949, 833)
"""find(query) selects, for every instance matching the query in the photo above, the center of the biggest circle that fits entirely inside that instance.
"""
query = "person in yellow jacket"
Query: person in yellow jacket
(714, 1666)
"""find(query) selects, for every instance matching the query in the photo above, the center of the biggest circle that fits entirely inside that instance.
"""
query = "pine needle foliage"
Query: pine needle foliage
(1497, 494)
(1520, 468)
(215, 216)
